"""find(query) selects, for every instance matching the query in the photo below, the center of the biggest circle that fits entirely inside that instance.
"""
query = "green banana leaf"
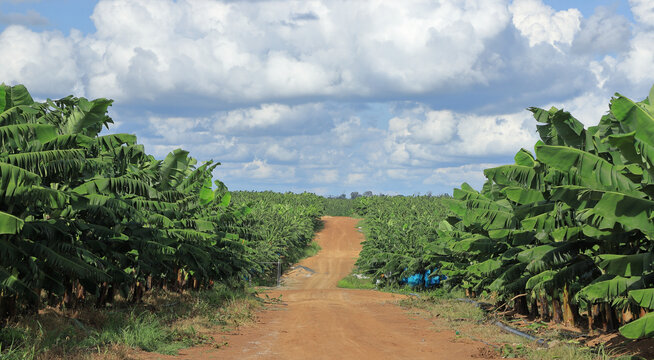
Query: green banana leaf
(9, 224)
(593, 171)
(640, 328)
(627, 265)
(643, 297)
(607, 287)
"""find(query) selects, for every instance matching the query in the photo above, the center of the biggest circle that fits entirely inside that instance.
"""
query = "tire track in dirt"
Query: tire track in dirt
(317, 320)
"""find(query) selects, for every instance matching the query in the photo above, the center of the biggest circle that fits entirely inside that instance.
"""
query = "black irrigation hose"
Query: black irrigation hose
(501, 325)
(509, 329)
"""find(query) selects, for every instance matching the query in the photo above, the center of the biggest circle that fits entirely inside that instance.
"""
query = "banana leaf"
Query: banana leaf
(640, 328)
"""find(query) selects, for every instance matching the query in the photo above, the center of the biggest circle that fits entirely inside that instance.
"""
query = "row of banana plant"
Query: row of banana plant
(89, 215)
(565, 234)
(399, 231)
(569, 230)
(279, 228)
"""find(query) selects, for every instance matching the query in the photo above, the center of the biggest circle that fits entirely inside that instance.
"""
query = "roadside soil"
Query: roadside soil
(317, 320)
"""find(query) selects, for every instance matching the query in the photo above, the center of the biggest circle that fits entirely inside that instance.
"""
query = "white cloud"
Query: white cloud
(341, 95)
(243, 52)
(643, 11)
(277, 152)
(540, 23)
(637, 66)
(494, 134)
(44, 61)
(279, 118)
(434, 136)
(603, 32)
(435, 127)
(260, 170)
(454, 176)
(355, 178)
(328, 176)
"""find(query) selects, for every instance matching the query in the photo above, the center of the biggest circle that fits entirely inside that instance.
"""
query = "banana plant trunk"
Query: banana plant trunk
(557, 313)
(568, 310)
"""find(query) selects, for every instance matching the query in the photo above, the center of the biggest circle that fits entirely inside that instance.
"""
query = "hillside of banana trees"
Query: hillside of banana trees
(86, 217)
(564, 234)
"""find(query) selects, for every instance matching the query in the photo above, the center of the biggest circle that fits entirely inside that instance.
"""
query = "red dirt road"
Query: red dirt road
(317, 320)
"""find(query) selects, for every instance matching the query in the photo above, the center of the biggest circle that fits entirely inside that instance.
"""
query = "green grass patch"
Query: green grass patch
(353, 282)
(164, 323)
(311, 250)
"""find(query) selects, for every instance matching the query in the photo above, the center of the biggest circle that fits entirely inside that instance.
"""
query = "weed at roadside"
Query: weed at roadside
(353, 282)
(165, 322)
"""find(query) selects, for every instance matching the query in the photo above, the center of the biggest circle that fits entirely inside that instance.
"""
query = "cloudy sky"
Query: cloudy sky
(334, 96)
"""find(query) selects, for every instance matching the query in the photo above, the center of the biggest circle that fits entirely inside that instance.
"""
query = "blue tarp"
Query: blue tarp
(423, 279)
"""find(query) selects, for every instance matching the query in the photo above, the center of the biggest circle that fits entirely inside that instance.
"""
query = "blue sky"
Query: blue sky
(334, 96)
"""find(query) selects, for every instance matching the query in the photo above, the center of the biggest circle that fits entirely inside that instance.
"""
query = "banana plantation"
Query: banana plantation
(564, 234)
(87, 217)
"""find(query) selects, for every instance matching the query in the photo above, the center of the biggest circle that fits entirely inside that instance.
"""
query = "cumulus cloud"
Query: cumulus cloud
(539, 23)
(433, 127)
(643, 11)
(433, 136)
(45, 61)
(603, 32)
(277, 152)
(240, 52)
(355, 178)
(637, 65)
(454, 176)
(392, 96)
(282, 119)
(327, 176)
(261, 170)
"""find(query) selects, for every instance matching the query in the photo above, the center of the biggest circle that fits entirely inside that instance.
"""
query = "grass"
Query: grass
(311, 250)
(469, 321)
(164, 323)
(353, 282)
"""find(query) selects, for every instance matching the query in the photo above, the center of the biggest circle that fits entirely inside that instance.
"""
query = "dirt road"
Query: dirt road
(317, 320)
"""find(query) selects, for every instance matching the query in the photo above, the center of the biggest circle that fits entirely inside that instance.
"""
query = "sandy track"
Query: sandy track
(317, 320)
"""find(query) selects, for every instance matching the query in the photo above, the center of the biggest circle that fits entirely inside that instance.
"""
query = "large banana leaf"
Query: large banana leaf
(593, 171)
(524, 158)
(516, 175)
(643, 297)
(633, 117)
(523, 196)
(632, 212)
(15, 180)
(24, 132)
(607, 287)
(87, 118)
(10, 224)
(3, 98)
(485, 268)
(634, 150)
(640, 328)
(173, 168)
(16, 96)
(627, 265)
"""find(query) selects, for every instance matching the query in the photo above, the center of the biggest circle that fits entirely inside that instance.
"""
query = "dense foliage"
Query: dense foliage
(399, 232)
(280, 227)
(84, 214)
(563, 233)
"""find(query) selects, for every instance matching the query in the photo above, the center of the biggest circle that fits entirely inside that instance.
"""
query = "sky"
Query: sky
(331, 97)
